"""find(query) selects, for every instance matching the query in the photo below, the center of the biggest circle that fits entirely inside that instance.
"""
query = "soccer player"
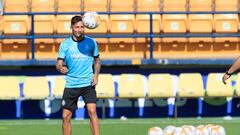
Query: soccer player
(80, 53)
(235, 66)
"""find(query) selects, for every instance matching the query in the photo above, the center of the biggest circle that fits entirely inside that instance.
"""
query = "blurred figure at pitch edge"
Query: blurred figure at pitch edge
(80, 54)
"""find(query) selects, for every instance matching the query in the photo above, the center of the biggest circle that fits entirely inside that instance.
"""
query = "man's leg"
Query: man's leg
(94, 124)
(66, 122)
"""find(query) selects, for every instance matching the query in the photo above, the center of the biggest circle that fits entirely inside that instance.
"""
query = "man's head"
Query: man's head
(77, 27)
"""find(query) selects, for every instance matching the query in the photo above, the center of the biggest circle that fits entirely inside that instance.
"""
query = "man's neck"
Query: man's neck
(78, 39)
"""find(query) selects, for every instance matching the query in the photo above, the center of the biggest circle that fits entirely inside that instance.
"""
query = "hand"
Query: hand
(95, 80)
(64, 70)
(225, 77)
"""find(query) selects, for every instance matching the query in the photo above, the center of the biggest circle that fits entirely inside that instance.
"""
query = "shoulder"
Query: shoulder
(90, 39)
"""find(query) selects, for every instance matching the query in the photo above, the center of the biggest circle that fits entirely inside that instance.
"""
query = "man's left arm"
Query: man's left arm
(97, 67)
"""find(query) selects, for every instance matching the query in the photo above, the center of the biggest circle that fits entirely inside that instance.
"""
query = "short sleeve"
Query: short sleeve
(95, 49)
(62, 52)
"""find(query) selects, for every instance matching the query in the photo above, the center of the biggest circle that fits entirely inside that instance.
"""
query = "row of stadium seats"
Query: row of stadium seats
(119, 5)
(125, 23)
(129, 86)
(129, 51)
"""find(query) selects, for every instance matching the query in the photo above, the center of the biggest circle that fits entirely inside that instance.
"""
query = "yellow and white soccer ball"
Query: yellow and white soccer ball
(189, 129)
(180, 131)
(169, 130)
(155, 131)
(217, 130)
(91, 20)
(201, 130)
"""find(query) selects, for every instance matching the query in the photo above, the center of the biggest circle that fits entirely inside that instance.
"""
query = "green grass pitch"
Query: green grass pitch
(110, 126)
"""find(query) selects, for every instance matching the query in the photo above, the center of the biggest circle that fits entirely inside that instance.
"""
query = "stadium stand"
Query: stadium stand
(9, 88)
(190, 85)
(36, 88)
(96, 5)
(148, 5)
(122, 5)
(43, 6)
(174, 5)
(69, 6)
(105, 87)
(143, 24)
(59, 85)
(237, 90)
(16, 5)
(16, 48)
(131, 86)
(223, 5)
(160, 86)
(226, 23)
(200, 5)
(44, 48)
(215, 87)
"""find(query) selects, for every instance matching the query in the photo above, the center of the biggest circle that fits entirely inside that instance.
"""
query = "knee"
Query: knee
(66, 117)
(92, 112)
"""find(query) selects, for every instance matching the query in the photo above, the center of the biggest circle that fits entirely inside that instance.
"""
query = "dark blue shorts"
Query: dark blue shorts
(71, 96)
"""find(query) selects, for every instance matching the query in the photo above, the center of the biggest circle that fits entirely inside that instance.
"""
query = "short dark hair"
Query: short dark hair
(75, 19)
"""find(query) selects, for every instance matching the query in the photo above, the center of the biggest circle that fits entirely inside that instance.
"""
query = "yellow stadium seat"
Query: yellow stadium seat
(63, 24)
(216, 88)
(69, 5)
(131, 86)
(9, 88)
(237, 91)
(102, 28)
(226, 23)
(45, 50)
(229, 5)
(174, 24)
(160, 86)
(44, 24)
(200, 23)
(122, 24)
(143, 23)
(16, 24)
(15, 51)
(36, 88)
(122, 5)
(16, 5)
(200, 5)
(124, 49)
(148, 5)
(105, 87)
(1, 25)
(96, 5)
(43, 5)
(59, 85)
(174, 5)
(190, 85)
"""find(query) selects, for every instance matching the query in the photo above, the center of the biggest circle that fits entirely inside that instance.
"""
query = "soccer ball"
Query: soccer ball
(201, 130)
(155, 131)
(169, 130)
(91, 20)
(180, 131)
(217, 130)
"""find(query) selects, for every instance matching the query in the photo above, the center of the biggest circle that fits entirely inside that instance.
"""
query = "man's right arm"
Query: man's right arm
(231, 70)
(59, 66)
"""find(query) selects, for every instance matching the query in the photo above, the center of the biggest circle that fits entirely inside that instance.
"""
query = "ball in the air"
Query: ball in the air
(91, 20)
